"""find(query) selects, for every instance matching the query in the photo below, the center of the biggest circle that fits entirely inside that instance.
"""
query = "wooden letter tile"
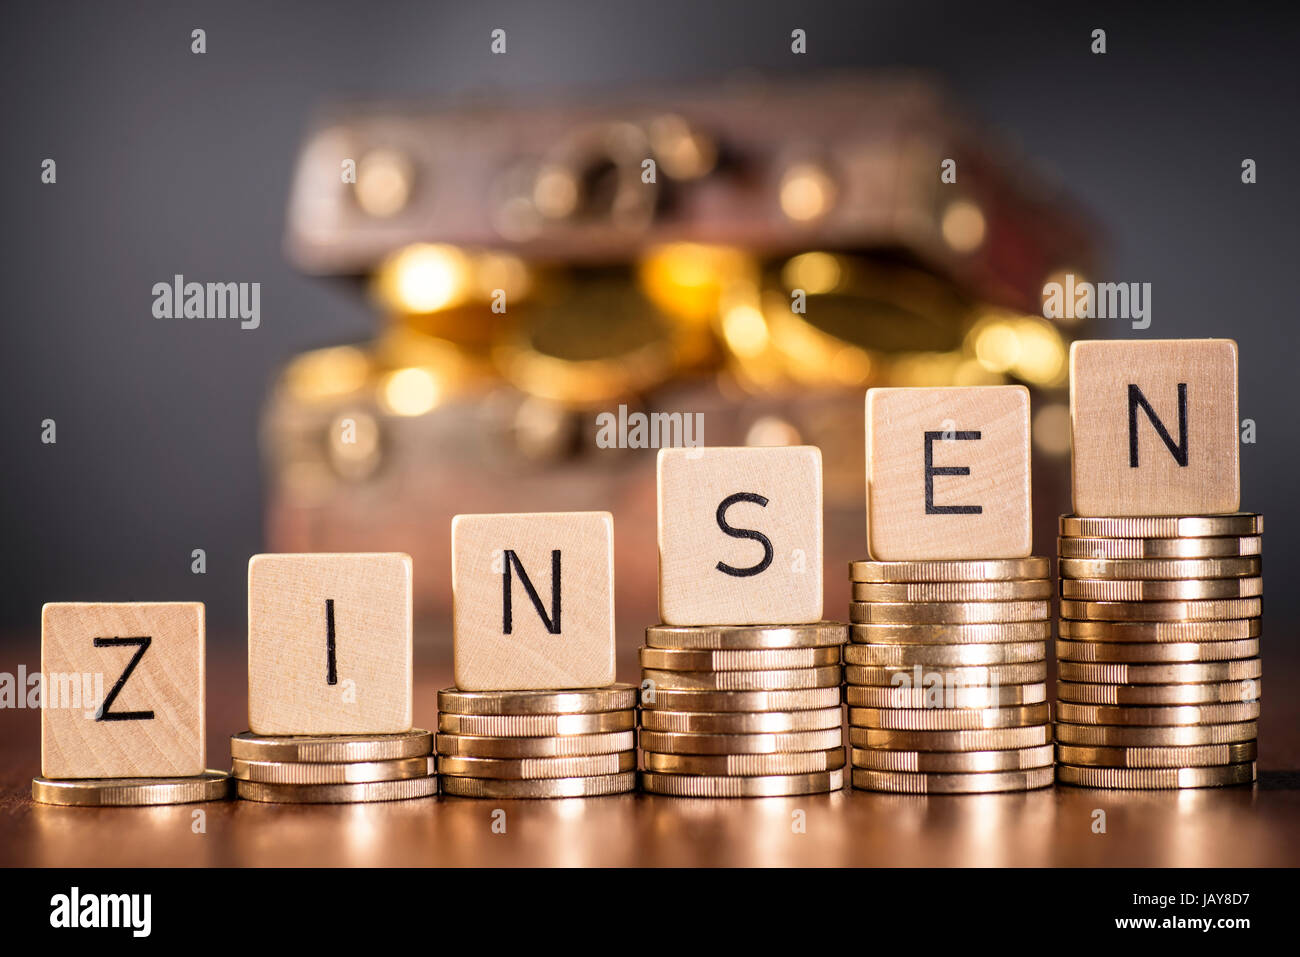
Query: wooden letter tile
(329, 643)
(948, 473)
(533, 600)
(1154, 427)
(123, 691)
(740, 536)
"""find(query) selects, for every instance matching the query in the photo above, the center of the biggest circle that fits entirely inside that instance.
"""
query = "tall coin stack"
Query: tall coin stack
(742, 710)
(333, 768)
(945, 675)
(1159, 650)
(537, 744)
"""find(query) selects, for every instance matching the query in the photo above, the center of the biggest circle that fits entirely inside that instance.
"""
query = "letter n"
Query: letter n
(551, 621)
(1177, 449)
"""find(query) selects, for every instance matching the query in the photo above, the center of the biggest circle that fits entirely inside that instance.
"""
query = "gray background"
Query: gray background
(170, 162)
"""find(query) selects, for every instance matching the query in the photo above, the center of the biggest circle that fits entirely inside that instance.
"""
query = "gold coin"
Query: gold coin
(426, 786)
(714, 722)
(536, 725)
(563, 746)
(956, 613)
(1231, 629)
(988, 739)
(736, 765)
(952, 591)
(985, 570)
(1089, 651)
(526, 769)
(953, 762)
(1148, 715)
(948, 696)
(1160, 569)
(983, 782)
(1174, 548)
(1163, 526)
(790, 678)
(980, 634)
(918, 676)
(905, 656)
(666, 742)
(763, 785)
(1211, 610)
(540, 788)
(1194, 672)
(616, 697)
(745, 637)
(1198, 756)
(767, 659)
(1186, 589)
(1093, 735)
(351, 772)
(1220, 692)
(947, 719)
(330, 748)
(806, 699)
(131, 792)
(1146, 778)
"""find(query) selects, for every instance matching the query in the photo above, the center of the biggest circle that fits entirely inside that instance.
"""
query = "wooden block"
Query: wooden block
(533, 600)
(948, 473)
(740, 536)
(1154, 427)
(329, 643)
(123, 690)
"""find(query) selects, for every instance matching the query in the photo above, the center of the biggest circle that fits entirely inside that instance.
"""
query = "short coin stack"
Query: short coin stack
(333, 768)
(1159, 650)
(537, 744)
(946, 675)
(742, 710)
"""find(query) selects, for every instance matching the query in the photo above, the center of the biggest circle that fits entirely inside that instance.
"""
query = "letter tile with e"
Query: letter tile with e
(740, 536)
(533, 600)
(948, 473)
(329, 643)
(1153, 427)
(122, 691)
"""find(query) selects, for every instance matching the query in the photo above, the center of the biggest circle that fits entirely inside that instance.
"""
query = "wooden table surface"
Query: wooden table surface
(1242, 826)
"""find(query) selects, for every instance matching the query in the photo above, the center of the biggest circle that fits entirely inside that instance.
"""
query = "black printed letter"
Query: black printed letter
(768, 552)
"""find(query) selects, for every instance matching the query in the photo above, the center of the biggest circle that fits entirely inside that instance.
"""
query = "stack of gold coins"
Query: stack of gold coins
(946, 675)
(1159, 650)
(537, 744)
(333, 768)
(742, 710)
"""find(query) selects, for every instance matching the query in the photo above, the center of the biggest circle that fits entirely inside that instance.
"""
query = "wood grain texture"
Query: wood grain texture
(152, 725)
(291, 686)
(740, 536)
(1121, 465)
(548, 634)
(982, 513)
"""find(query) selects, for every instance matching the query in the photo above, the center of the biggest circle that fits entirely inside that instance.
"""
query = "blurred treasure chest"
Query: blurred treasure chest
(562, 287)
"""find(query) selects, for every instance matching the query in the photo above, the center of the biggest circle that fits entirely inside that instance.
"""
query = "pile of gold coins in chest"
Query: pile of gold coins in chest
(946, 675)
(1160, 675)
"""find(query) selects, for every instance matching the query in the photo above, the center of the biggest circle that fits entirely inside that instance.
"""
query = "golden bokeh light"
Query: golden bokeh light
(806, 192)
(412, 391)
(384, 181)
(963, 226)
(424, 277)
